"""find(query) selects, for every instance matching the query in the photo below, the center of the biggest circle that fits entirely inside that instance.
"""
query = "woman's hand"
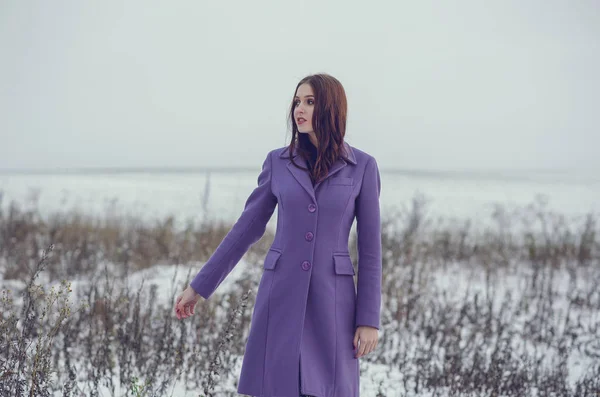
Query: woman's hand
(184, 306)
(368, 337)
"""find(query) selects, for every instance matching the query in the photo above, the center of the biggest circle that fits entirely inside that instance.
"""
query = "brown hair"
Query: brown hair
(328, 121)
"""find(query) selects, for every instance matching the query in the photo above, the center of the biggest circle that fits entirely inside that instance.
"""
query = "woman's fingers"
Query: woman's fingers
(366, 347)
(361, 349)
(184, 309)
(369, 348)
(178, 307)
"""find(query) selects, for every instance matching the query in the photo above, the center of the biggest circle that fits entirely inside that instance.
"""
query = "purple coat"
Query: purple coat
(307, 306)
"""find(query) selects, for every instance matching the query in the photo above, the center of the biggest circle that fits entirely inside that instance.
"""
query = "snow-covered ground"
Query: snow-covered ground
(222, 195)
(454, 283)
(156, 196)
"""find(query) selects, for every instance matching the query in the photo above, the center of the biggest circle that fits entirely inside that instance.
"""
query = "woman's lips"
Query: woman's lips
(302, 121)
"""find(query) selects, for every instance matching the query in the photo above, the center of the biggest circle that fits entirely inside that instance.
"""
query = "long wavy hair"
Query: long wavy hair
(328, 121)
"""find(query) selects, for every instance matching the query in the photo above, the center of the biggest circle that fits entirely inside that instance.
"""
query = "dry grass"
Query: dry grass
(491, 341)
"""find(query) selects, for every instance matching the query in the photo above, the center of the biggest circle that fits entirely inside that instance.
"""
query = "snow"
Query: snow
(455, 281)
(156, 196)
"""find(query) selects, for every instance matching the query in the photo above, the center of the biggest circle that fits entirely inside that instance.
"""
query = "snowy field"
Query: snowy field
(156, 196)
(534, 319)
(377, 379)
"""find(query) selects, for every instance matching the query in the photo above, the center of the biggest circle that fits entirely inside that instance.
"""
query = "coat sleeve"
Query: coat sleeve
(368, 299)
(249, 228)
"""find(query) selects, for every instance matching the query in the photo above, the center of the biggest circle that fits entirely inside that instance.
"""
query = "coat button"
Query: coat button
(306, 265)
(312, 207)
(309, 236)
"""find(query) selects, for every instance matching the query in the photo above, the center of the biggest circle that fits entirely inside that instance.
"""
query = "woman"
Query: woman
(307, 310)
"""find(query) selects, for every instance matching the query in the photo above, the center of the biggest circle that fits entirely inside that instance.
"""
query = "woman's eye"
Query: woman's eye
(310, 102)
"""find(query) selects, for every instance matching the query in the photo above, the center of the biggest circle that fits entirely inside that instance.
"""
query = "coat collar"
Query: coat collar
(303, 177)
(349, 152)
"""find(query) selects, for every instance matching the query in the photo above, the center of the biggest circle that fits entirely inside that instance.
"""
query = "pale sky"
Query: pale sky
(431, 85)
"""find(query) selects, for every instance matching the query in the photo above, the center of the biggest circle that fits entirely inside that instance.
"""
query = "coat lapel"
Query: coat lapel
(303, 177)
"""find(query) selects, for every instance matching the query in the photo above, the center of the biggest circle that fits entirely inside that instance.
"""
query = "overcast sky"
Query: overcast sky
(430, 84)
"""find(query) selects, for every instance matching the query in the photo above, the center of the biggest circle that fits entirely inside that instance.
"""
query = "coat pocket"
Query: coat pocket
(343, 264)
(342, 180)
(271, 259)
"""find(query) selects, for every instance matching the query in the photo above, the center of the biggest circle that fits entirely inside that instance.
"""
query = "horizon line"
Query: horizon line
(193, 169)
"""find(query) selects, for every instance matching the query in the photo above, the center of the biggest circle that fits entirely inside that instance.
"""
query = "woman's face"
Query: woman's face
(304, 102)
